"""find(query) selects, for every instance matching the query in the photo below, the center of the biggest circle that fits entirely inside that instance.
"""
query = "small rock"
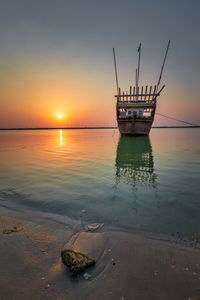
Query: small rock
(42, 278)
(113, 262)
(9, 193)
(43, 251)
(86, 276)
(10, 230)
(77, 262)
(94, 226)
(83, 211)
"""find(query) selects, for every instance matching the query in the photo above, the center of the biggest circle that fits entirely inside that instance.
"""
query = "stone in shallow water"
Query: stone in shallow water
(77, 262)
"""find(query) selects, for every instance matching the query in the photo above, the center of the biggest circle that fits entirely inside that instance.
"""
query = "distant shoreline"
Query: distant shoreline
(83, 128)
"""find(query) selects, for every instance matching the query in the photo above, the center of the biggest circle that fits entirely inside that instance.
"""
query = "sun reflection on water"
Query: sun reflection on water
(61, 138)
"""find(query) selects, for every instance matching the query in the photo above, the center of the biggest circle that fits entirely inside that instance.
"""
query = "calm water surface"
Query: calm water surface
(151, 183)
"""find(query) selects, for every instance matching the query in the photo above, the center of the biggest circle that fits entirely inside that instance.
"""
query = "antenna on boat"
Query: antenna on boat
(159, 80)
(116, 76)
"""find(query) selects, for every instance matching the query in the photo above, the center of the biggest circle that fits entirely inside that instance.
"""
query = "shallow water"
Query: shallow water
(148, 183)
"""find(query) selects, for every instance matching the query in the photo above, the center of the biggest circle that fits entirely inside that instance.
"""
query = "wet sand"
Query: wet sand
(129, 265)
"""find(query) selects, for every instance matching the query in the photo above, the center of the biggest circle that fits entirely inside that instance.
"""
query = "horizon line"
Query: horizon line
(89, 127)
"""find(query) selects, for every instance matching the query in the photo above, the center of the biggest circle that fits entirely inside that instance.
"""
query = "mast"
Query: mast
(116, 76)
(138, 70)
(159, 80)
(136, 80)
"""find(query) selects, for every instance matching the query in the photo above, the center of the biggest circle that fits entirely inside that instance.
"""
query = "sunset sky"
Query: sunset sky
(56, 58)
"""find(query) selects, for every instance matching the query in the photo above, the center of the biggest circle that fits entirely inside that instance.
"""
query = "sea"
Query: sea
(149, 184)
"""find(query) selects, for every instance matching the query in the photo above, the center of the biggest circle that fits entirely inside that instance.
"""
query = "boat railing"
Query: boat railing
(143, 95)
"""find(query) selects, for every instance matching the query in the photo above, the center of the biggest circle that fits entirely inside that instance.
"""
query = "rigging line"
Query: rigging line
(177, 120)
(113, 135)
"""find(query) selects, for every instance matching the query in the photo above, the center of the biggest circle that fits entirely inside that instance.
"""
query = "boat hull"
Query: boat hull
(134, 127)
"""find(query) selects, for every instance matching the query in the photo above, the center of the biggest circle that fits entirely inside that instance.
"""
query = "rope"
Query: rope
(114, 131)
(188, 123)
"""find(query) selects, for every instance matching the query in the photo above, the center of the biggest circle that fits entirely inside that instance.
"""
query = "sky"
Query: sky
(56, 58)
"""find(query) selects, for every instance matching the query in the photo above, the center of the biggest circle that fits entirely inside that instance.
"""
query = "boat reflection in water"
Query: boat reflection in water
(134, 161)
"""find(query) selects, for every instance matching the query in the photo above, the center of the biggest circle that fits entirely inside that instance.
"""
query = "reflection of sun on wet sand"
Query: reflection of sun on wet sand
(134, 161)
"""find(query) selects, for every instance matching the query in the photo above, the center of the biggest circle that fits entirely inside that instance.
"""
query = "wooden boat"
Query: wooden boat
(136, 109)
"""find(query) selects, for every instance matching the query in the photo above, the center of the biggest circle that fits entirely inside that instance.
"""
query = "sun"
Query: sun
(59, 116)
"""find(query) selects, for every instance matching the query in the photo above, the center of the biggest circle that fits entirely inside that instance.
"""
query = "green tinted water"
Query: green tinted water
(151, 183)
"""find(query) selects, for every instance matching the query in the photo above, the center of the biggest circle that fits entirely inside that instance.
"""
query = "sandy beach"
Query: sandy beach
(129, 265)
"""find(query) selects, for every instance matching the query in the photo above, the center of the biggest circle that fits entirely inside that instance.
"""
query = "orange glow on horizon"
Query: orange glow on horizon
(52, 99)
